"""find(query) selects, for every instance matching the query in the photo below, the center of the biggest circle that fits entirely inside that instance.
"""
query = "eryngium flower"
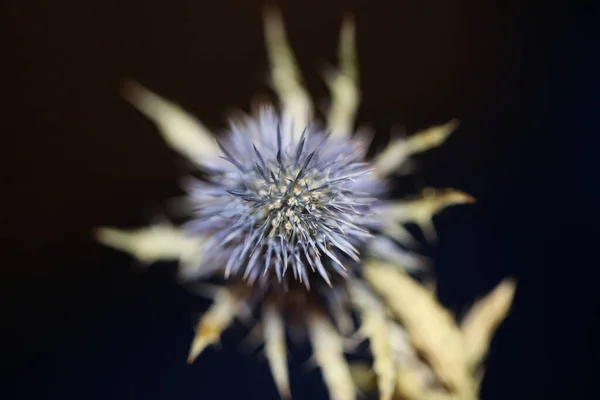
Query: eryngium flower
(290, 214)
(283, 208)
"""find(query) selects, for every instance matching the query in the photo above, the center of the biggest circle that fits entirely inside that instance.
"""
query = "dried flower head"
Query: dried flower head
(282, 208)
(291, 214)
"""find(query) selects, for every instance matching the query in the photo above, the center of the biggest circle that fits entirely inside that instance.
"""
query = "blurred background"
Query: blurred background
(83, 323)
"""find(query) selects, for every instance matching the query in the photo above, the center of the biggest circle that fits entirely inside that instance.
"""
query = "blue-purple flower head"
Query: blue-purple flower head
(284, 207)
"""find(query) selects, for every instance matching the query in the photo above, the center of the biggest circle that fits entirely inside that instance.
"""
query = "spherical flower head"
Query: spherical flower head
(282, 207)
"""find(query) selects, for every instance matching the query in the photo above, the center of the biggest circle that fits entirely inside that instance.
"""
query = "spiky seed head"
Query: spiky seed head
(284, 208)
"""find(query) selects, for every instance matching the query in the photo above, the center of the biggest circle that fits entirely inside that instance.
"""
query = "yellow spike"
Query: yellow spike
(483, 319)
(216, 319)
(179, 129)
(375, 326)
(400, 149)
(275, 348)
(285, 74)
(430, 137)
(155, 243)
(431, 327)
(329, 354)
(343, 84)
(421, 210)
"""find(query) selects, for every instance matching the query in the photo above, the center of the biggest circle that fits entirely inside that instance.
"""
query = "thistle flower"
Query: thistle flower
(291, 215)
(294, 207)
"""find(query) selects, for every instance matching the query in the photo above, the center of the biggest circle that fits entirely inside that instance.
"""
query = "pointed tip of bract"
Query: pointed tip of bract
(284, 393)
(454, 196)
(131, 90)
(348, 41)
(349, 19)
(469, 199)
(439, 199)
(272, 17)
(99, 233)
(111, 237)
(452, 125)
(347, 33)
(435, 135)
(190, 359)
(199, 344)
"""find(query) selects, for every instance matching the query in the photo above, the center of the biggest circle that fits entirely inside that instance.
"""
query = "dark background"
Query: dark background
(82, 324)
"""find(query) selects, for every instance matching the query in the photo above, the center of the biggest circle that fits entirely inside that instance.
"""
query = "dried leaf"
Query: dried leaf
(155, 243)
(343, 84)
(484, 317)
(216, 319)
(413, 376)
(421, 210)
(275, 348)
(400, 149)
(285, 74)
(431, 328)
(374, 325)
(328, 352)
(179, 129)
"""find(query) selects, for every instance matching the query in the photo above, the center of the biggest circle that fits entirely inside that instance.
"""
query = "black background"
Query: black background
(82, 324)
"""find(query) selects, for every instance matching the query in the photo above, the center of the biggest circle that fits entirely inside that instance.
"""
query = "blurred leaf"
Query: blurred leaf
(484, 317)
(431, 328)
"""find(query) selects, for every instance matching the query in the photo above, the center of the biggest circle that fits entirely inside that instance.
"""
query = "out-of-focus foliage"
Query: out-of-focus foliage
(439, 358)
